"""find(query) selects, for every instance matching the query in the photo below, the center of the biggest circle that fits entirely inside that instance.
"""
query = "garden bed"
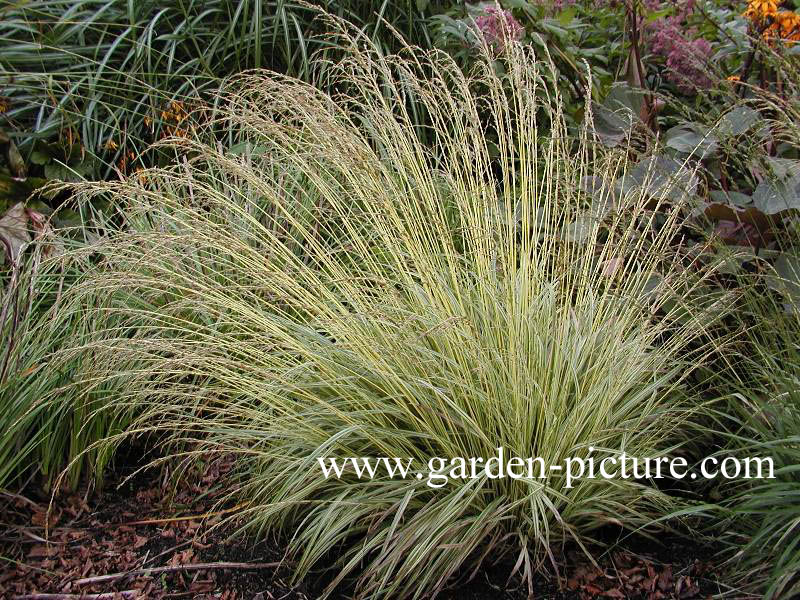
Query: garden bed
(164, 543)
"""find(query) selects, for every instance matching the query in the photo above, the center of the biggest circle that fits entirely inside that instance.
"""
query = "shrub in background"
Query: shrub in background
(108, 77)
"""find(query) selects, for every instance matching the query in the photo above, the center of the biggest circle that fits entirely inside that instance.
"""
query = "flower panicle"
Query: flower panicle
(773, 24)
(498, 27)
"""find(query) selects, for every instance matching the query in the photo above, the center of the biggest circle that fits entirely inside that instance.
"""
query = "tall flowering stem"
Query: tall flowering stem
(498, 28)
(635, 64)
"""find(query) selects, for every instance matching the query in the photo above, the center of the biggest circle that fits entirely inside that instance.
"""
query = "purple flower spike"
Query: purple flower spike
(499, 27)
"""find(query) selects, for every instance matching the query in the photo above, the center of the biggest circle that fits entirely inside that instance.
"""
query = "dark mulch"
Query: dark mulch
(48, 548)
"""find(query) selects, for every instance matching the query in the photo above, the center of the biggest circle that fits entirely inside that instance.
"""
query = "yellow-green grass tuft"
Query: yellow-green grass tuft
(329, 286)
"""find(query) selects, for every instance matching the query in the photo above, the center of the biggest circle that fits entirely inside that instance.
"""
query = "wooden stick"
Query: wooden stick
(192, 567)
(176, 519)
(27, 501)
(105, 596)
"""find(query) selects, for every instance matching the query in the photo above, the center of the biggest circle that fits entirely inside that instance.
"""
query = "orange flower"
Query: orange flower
(126, 157)
(785, 26)
(789, 23)
(141, 175)
(178, 111)
(174, 112)
(759, 11)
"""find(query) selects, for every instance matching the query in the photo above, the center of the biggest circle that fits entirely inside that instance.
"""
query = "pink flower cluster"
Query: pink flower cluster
(687, 60)
(499, 27)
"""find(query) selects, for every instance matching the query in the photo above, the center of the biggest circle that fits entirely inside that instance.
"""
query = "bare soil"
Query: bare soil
(161, 543)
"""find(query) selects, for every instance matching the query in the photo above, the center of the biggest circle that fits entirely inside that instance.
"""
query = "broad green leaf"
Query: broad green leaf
(580, 230)
(786, 279)
(738, 121)
(657, 14)
(74, 171)
(659, 177)
(567, 15)
(246, 148)
(40, 158)
(691, 139)
(775, 196)
(612, 127)
(550, 26)
(623, 96)
(734, 198)
(653, 287)
(602, 196)
(783, 168)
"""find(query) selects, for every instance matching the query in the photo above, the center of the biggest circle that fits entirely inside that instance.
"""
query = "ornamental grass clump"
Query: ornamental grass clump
(325, 285)
(762, 419)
